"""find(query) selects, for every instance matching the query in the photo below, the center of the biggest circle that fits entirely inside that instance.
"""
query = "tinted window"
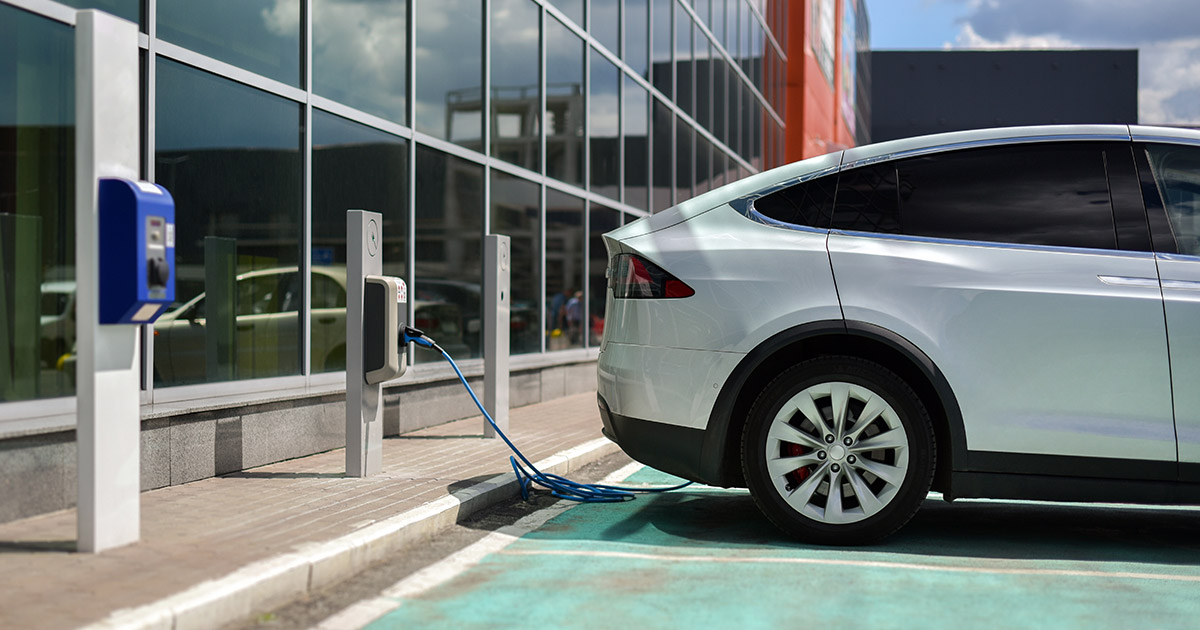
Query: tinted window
(564, 103)
(808, 203)
(1177, 172)
(450, 84)
(1033, 195)
(516, 92)
(260, 36)
(359, 55)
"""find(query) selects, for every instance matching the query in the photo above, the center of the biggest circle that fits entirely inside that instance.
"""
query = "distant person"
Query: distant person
(574, 313)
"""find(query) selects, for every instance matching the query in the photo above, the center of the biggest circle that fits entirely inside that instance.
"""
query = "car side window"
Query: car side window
(808, 203)
(1049, 194)
(1176, 171)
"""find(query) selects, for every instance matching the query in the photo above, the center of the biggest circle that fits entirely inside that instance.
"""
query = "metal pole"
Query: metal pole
(496, 308)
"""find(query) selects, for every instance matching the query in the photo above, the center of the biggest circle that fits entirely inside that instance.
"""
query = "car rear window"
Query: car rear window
(808, 203)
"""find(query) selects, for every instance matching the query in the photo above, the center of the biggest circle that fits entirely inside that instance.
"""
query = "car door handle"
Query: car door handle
(1125, 281)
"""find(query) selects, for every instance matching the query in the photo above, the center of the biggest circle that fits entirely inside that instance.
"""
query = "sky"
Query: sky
(1166, 34)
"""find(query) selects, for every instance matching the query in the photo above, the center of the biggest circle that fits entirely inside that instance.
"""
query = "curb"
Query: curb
(268, 584)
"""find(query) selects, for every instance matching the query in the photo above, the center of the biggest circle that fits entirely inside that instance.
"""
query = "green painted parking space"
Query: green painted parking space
(704, 556)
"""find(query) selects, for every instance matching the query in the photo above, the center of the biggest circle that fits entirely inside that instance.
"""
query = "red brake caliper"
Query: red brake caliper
(796, 477)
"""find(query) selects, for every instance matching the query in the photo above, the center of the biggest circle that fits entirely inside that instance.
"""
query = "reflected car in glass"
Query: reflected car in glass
(263, 324)
(1006, 313)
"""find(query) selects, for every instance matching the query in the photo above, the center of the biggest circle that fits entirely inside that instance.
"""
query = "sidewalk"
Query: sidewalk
(217, 550)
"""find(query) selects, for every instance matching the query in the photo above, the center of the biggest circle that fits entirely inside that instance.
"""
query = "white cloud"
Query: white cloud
(968, 38)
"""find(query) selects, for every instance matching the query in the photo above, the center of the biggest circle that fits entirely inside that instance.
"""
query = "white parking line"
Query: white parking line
(364, 612)
(1125, 575)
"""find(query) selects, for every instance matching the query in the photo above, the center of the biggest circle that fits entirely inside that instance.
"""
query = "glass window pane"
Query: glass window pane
(564, 103)
(516, 91)
(230, 155)
(564, 271)
(1039, 195)
(600, 221)
(664, 171)
(604, 112)
(683, 160)
(516, 213)
(262, 36)
(359, 55)
(703, 160)
(37, 206)
(637, 145)
(684, 67)
(449, 249)
(661, 56)
(449, 99)
(353, 167)
(606, 24)
(637, 36)
(720, 99)
(1177, 171)
(128, 9)
(573, 9)
(703, 114)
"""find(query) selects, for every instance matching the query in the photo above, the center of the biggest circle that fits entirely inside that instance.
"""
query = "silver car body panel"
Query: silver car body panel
(1044, 356)
(668, 385)
(1181, 300)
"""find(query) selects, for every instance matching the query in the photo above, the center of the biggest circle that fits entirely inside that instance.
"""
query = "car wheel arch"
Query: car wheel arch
(721, 453)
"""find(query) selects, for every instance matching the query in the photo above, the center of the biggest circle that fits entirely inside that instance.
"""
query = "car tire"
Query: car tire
(879, 456)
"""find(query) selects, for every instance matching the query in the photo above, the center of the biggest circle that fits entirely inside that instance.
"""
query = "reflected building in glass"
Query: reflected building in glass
(550, 121)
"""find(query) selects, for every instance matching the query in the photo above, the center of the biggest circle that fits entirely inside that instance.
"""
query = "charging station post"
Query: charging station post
(376, 312)
(497, 300)
(125, 277)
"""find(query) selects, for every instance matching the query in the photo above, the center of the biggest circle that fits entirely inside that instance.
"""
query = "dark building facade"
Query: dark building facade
(915, 93)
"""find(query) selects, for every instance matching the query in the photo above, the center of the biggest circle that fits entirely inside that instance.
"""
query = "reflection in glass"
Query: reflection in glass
(262, 36)
(716, 23)
(637, 36)
(359, 55)
(683, 160)
(573, 9)
(516, 93)
(37, 207)
(604, 112)
(449, 245)
(720, 99)
(128, 9)
(1177, 172)
(703, 169)
(353, 167)
(606, 24)
(660, 61)
(600, 221)
(564, 271)
(664, 165)
(230, 155)
(449, 98)
(704, 95)
(564, 103)
(684, 67)
(637, 145)
(515, 205)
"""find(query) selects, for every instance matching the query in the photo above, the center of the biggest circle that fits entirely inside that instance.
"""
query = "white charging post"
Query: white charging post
(497, 300)
(108, 433)
(364, 402)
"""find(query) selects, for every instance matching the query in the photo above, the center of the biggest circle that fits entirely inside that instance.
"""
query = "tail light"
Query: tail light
(635, 277)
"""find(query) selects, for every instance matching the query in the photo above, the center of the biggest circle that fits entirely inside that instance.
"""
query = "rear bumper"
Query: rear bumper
(669, 448)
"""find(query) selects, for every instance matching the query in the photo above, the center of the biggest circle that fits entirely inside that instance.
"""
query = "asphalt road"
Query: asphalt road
(704, 557)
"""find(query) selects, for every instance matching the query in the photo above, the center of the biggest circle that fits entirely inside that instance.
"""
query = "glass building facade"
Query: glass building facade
(550, 121)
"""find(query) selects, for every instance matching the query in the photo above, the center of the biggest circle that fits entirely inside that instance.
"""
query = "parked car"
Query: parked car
(266, 327)
(57, 320)
(1005, 313)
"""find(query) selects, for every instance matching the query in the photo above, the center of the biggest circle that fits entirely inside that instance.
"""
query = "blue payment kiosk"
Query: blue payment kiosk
(137, 251)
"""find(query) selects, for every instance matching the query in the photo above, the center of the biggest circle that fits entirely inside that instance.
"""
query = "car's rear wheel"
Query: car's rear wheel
(838, 450)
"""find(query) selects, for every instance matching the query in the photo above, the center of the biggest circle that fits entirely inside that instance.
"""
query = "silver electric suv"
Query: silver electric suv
(1006, 313)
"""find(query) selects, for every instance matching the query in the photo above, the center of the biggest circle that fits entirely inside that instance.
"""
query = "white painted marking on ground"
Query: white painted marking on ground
(858, 563)
(364, 612)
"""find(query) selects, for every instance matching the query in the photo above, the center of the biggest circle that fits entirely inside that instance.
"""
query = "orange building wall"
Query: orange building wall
(814, 123)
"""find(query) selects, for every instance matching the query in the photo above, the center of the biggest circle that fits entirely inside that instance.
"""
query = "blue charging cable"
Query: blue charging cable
(528, 474)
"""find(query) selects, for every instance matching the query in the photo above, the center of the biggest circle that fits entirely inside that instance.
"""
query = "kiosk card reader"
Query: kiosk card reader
(136, 250)
(385, 311)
